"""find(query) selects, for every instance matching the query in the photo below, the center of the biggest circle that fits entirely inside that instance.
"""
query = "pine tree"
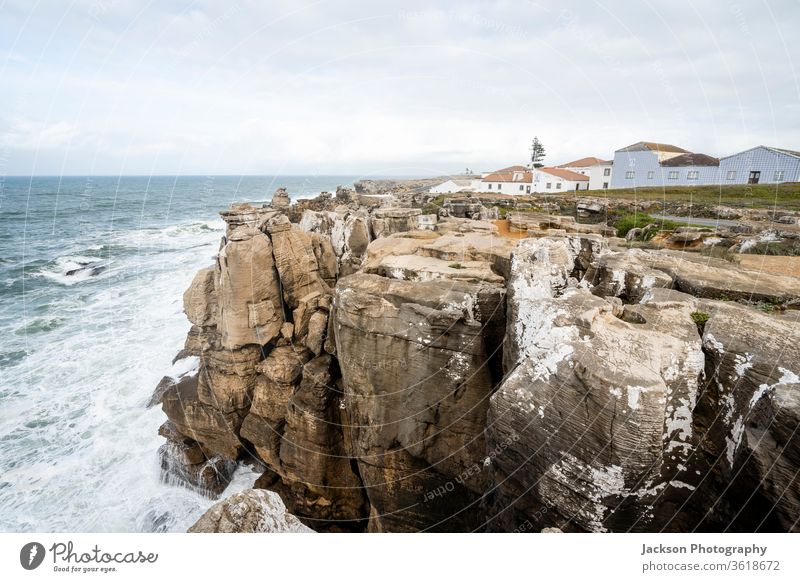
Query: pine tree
(537, 153)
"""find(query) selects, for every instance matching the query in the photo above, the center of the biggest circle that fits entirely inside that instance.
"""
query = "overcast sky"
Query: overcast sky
(377, 87)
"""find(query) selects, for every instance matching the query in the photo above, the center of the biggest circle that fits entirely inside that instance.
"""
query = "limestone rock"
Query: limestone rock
(216, 431)
(594, 414)
(416, 385)
(251, 511)
(750, 410)
(250, 309)
(278, 376)
(280, 199)
(200, 299)
(386, 221)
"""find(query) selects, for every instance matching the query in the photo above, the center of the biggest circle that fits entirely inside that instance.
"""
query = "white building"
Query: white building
(456, 185)
(656, 164)
(760, 165)
(599, 171)
(513, 180)
(554, 180)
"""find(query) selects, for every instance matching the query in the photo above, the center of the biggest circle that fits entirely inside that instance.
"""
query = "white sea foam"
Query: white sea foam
(77, 447)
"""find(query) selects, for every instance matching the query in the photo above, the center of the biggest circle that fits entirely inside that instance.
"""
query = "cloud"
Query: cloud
(357, 86)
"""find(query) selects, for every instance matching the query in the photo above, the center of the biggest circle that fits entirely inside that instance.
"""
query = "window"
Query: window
(673, 175)
(779, 176)
(527, 189)
(607, 172)
(629, 174)
(490, 186)
(499, 186)
(605, 185)
(521, 187)
(549, 185)
(731, 174)
(650, 174)
(558, 185)
(692, 175)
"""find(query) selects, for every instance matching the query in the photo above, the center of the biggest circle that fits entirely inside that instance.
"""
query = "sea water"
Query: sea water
(92, 272)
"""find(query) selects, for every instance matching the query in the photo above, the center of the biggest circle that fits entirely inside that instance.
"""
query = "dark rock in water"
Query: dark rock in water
(184, 462)
(86, 267)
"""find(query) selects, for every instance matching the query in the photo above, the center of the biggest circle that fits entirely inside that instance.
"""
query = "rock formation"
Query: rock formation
(393, 370)
(251, 511)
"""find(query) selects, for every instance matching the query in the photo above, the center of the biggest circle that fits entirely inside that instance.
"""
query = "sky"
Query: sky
(112, 87)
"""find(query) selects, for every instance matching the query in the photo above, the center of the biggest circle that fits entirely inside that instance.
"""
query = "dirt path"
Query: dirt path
(504, 231)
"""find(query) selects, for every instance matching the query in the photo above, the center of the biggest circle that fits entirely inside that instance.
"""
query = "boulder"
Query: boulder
(200, 299)
(250, 511)
(386, 221)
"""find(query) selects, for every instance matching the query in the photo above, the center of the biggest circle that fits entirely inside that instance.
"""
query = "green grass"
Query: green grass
(625, 222)
(700, 319)
(434, 205)
(740, 195)
(456, 266)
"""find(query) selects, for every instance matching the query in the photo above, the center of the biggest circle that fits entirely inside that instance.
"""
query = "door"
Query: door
(754, 177)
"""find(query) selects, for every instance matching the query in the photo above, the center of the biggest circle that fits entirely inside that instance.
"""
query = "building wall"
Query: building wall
(541, 179)
(596, 175)
(505, 187)
(450, 187)
(759, 159)
(647, 172)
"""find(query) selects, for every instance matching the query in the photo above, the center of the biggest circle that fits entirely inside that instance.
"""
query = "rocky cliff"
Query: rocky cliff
(389, 370)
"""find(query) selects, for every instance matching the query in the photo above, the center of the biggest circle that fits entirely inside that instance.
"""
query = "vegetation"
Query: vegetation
(700, 319)
(784, 196)
(456, 266)
(625, 222)
(537, 153)
(434, 205)
(788, 248)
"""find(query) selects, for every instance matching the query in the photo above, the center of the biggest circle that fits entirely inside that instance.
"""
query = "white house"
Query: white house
(656, 164)
(455, 185)
(760, 165)
(599, 171)
(554, 180)
(513, 180)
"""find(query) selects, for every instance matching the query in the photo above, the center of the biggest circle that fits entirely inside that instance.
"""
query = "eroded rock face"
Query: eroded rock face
(749, 412)
(250, 310)
(630, 273)
(430, 379)
(386, 221)
(251, 511)
(417, 375)
(601, 407)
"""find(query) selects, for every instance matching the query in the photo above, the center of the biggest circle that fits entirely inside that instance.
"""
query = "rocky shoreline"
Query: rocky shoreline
(388, 368)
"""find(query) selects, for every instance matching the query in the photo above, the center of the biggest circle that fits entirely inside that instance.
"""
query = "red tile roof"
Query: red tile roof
(564, 174)
(517, 177)
(584, 162)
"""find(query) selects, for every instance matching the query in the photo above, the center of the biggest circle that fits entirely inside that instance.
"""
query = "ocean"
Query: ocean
(92, 272)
